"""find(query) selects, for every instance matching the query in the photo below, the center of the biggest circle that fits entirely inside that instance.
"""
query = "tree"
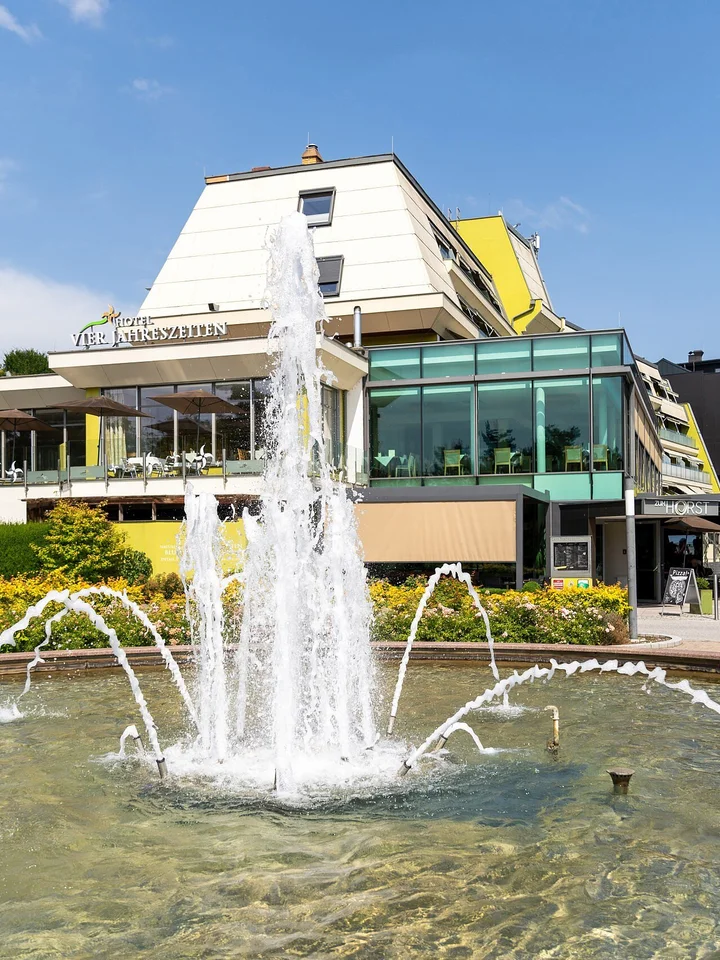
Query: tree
(81, 541)
(23, 363)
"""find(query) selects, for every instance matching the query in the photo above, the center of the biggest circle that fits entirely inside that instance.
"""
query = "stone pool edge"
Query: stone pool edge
(669, 654)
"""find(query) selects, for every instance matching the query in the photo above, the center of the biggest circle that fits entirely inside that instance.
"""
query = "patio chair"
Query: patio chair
(452, 460)
(600, 455)
(407, 469)
(503, 458)
(573, 457)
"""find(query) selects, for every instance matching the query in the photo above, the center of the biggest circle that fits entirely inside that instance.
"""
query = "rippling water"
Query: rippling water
(512, 854)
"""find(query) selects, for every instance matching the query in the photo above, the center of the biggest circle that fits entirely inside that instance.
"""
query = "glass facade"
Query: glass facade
(448, 431)
(607, 452)
(561, 353)
(395, 433)
(47, 445)
(562, 425)
(121, 439)
(454, 360)
(157, 430)
(504, 356)
(233, 433)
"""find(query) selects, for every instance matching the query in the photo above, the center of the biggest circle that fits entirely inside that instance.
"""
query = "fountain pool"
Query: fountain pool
(508, 854)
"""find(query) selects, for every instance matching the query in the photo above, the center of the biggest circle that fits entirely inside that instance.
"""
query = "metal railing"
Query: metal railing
(674, 437)
(686, 473)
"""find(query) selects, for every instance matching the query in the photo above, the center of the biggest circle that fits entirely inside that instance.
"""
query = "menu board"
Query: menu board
(571, 555)
(680, 586)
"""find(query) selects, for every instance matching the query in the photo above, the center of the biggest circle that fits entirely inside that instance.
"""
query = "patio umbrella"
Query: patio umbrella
(17, 421)
(195, 403)
(101, 407)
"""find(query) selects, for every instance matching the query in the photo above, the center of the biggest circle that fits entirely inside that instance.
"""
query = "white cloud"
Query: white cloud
(9, 22)
(560, 214)
(42, 313)
(87, 11)
(145, 89)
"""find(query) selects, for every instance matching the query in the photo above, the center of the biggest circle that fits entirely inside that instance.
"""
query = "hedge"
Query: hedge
(16, 553)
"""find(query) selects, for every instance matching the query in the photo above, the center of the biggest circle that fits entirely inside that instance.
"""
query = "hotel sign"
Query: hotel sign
(112, 329)
(680, 508)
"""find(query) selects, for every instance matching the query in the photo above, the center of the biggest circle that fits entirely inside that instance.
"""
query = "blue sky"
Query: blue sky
(595, 123)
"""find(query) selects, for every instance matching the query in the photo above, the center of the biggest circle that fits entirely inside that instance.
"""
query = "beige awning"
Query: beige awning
(479, 531)
(695, 523)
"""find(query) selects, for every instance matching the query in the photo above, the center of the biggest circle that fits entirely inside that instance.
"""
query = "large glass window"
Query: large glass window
(607, 452)
(562, 425)
(233, 431)
(453, 360)
(395, 432)
(505, 355)
(565, 352)
(505, 427)
(158, 429)
(75, 433)
(401, 364)
(448, 431)
(190, 440)
(121, 432)
(47, 445)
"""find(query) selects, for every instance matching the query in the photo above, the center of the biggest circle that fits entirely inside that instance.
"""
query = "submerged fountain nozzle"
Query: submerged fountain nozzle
(404, 769)
(621, 779)
(554, 743)
(162, 767)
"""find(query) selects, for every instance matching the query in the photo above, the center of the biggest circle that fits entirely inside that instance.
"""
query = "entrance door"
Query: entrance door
(646, 547)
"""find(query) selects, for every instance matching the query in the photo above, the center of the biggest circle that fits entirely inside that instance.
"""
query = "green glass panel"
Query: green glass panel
(607, 486)
(564, 486)
(562, 425)
(395, 482)
(606, 350)
(608, 442)
(449, 481)
(395, 364)
(500, 479)
(448, 360)
(448, 431)
(503, 355)
(566, 352)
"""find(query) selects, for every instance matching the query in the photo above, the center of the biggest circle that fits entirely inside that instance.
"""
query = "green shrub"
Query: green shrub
(82, 542)
(168, 585)
(703, 583)
(135, 566)
(16, 542)
(532, 586)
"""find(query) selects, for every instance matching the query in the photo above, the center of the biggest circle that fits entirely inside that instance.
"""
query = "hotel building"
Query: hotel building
(475, 421)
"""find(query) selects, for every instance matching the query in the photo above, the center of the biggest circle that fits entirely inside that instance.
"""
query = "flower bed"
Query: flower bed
(594, 616)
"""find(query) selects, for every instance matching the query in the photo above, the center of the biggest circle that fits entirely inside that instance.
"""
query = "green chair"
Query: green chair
(452, 461)
(503, 458)
(573, 458)
(600, 456)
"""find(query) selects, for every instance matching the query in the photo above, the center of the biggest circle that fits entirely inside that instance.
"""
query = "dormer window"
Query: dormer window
(317, 205)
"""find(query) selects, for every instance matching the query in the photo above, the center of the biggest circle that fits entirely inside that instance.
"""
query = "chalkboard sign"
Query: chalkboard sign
(570, 556)
(680, 587)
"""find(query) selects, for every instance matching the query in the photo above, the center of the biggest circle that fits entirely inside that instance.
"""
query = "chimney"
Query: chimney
(311, 155)
(695, 356)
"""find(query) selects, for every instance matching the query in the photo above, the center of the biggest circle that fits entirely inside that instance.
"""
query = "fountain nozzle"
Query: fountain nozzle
(554, 743)
(621, 779)
(404, 769)
(162, 767)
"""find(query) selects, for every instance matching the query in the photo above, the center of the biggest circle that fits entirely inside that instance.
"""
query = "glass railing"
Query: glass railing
(685, 473)
(674, 437)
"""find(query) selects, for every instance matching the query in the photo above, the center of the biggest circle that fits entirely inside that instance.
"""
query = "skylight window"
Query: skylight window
(330, 275)
(317, 205)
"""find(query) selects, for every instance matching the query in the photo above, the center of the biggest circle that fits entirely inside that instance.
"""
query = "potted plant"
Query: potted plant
(706, 598)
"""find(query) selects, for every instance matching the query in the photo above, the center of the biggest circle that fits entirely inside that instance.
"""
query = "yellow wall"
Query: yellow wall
(92, 433)
(488, 239)
(158, 540)
(696, 436)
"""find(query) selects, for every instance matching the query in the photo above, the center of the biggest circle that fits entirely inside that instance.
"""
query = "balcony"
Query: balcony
(673, 436)
(686, 473)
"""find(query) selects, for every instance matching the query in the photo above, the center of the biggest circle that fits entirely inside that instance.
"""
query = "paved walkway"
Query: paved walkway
(696, 632)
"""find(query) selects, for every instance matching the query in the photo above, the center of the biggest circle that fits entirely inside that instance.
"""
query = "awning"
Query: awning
(427, 532)
(695, 523)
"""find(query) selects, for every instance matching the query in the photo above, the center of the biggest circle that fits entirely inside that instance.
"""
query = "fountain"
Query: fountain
(283, 827)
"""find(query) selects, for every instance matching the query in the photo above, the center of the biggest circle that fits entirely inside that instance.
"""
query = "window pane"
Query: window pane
(260, 396)
(562, 425)
(566, 352)
(503, 356)
(17, 449)
(157, 430)
(330, 273)
(233, 430)
(47, 445)
(454, 360)
(395, 364)
(607, 423)
(331, 424)
(395, 432)
(316, 204)
(75, 425)
(448, 431)
(194, 431)
(121, 432)
(505, 428)
(606, 350)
